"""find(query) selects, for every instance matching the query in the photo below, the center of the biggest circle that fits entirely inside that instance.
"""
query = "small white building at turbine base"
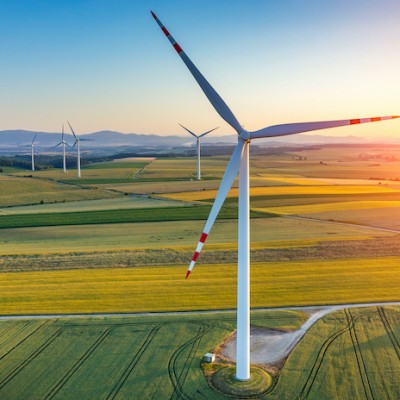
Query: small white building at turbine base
(209, 357)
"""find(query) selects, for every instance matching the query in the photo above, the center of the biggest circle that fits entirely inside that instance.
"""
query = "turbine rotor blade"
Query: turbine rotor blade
(34, 138)
(226, 184)
(72, 130)
(215, 99)
(53, 147)
(206, 133)
(290, 129)
(186, 129)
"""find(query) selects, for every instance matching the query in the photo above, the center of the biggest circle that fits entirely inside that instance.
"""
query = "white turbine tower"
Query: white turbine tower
(239, 163)
(78, 143)
(33, 151)
(198, 147)
(64, 144)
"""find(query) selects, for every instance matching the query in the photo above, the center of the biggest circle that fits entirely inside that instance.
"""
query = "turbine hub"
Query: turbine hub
(244, 136)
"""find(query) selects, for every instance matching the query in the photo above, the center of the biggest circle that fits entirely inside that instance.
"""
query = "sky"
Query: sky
(106, 65)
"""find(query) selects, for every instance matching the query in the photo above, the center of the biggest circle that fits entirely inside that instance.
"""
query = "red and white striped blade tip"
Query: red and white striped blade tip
(187, 274)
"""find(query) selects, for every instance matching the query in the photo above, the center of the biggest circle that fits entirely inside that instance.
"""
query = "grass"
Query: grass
(224, 380)
(164, 186)
(117, 216)
(165, 289)
(116, 165)
(386, 217)
(120, 203)
(21, 190)
(177, 235)
(158, 357)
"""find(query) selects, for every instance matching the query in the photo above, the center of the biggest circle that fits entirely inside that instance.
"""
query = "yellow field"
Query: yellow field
(326, 207)
(287, 190)
(209, 287)
(302, 181)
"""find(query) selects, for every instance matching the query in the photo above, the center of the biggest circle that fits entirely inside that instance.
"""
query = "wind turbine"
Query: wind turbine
(239, 163)
(64, 143)
(77, 142)
(198, 147)
(33, 152)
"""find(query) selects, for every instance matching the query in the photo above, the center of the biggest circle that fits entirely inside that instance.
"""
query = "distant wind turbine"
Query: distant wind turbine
(239, 163)
(33, 151)
(198, 147)
(64, 144)
(78, 144)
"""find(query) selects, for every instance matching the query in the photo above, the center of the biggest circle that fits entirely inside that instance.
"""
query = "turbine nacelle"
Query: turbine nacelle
(245, 136)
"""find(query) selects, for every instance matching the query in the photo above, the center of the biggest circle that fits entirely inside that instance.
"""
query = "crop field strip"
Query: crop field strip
(21, 191)
(121, 203)
(208, 195)
(327, 248)
(122, 289)
(177, 235)
(287, 200)
(118, 216)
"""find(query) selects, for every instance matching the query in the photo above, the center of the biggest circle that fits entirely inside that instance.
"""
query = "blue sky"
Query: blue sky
(105, 64)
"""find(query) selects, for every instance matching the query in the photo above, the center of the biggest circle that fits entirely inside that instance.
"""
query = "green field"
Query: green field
(266, 233)
(25, 190)
(159, 357)
(351, 354)
(118, 216)
(119, 203)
